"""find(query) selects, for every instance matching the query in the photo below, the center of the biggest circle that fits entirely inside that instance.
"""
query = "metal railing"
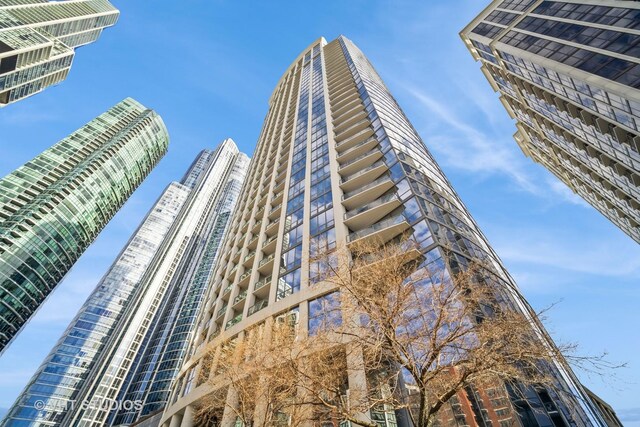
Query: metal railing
(377, 202)
(376, 227)
(257, 307)
(372, 184)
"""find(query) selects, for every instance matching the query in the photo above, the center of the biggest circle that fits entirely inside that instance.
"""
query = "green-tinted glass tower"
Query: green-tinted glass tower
(54, 206)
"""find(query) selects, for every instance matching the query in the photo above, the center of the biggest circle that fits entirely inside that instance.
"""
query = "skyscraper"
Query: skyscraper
(63, 371)
(337, 162)
(569, 73)
(38, 40)
(157, 366)
(138, 295)
(54, 206)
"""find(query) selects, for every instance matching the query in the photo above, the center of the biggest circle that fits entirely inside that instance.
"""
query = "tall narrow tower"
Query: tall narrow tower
(54, 206)
(167, 342)
(569, 73)
(145, 300)
(337, 162)
(38, 40)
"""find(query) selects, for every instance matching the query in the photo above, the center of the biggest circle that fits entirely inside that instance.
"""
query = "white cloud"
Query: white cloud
(470, 149)
(614, 257)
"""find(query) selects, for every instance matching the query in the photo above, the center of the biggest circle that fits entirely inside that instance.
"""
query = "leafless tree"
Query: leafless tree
(406, 323)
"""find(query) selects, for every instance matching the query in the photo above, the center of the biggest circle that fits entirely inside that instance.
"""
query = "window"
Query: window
(324, 313)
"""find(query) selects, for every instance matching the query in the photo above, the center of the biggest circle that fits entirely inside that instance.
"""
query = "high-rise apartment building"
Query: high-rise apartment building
(338, 162)
(54, 206)
(569, 73)
(154, 285)
(38, 40)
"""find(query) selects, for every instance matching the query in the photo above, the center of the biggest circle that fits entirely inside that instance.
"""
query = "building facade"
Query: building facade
(337, 162)
(54, 206)
(569, 73)
(38, 39)
(158, 365)
(63, 371)
(98, 350)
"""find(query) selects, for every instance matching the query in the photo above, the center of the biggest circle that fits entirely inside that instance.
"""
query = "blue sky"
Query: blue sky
(208, 68)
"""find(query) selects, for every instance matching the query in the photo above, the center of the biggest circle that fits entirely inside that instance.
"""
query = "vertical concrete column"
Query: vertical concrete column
(176, 420)
(229, 416)
(357, 378)
(187, 419)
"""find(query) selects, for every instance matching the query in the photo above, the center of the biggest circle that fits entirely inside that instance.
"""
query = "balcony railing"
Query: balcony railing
(257, 307)
(259, 284)
(249, 256)
(241, 296)
(356, 148)
(378, 202)
(275, 208)
(233, 321)
(227, 289)
(221, 311)
(362, 172)
(376, 227)
(266, 260)
(357, 159)
(269, 240)
(361, 122)
(245, 275)
(372, 184)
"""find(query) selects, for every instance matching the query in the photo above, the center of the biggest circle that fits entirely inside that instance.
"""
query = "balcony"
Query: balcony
(221, 312)
(253, 243)
(261, 288)
(368, 193)
(241, 297)
(272, 227)
(347, 108)
(214, 335)
(232, 273)
(380, 232)
(245, 277)
(227, 289)
(233, 321)
(361, 162)
(256, 227)
(365, 216)
(339, 100)
(356, 151)
(281, 176)
(269, 245)
(263, 199)
(352, 129)
(275, 212)
(279, 186)
(266, 264)
(257, 307)
(349, 121)
(363, 176)
(277, 198)
(248, 260)
(354, 140)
